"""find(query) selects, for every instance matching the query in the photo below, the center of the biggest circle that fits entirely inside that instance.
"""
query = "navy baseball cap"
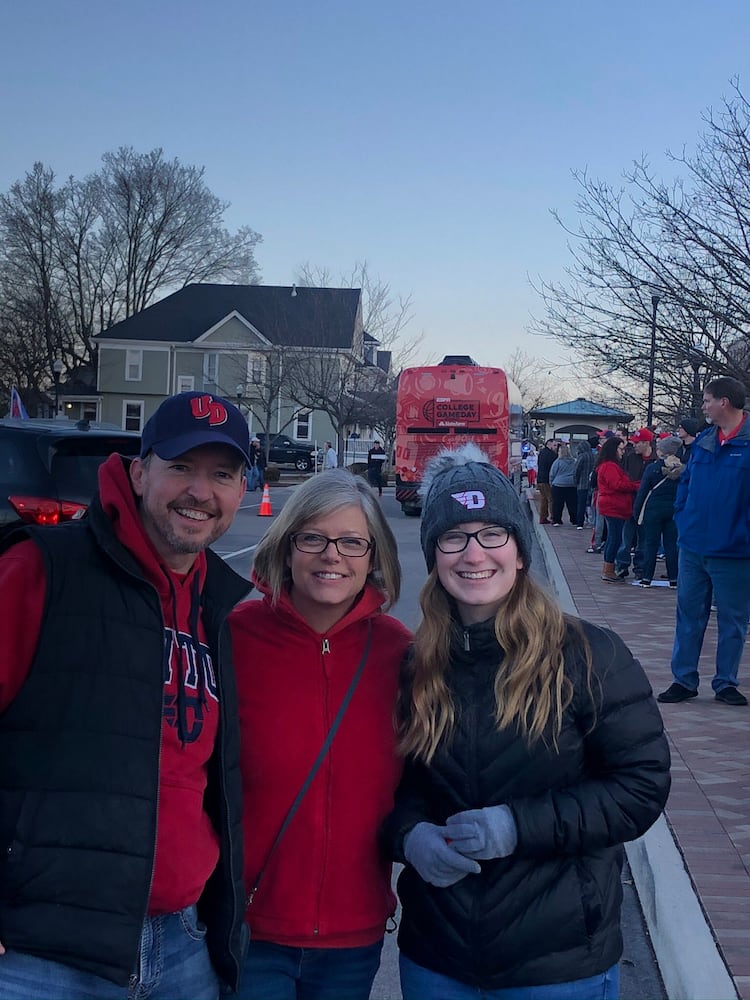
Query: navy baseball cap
(191, 419)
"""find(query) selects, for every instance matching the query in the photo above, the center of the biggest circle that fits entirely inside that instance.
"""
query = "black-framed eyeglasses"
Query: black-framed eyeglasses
(492, 537)
(347, 545)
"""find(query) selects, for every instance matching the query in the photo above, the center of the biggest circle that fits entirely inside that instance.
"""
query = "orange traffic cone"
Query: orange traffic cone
(265, 503)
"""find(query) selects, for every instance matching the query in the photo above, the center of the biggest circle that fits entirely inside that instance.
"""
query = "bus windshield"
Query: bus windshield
(444, 406)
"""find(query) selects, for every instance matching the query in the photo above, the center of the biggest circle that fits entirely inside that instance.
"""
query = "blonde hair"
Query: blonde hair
(531, 688)
(318, 497)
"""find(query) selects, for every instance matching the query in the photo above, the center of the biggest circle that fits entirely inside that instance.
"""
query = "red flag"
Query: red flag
(17, 409)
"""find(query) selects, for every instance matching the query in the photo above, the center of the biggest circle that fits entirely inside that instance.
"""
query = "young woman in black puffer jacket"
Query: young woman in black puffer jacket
(533, 749)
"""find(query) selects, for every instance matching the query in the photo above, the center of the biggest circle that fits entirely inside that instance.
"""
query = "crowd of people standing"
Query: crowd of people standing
(682, 497)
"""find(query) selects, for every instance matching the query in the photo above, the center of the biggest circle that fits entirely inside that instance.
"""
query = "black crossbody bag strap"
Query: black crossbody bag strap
(316, 765)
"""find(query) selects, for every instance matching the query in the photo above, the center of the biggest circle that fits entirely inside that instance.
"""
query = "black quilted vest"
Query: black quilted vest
(80, 763)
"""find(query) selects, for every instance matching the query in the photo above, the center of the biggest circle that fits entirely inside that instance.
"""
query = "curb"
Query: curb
(689, 960)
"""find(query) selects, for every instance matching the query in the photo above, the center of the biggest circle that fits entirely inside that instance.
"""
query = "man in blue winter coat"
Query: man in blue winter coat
(712, 512)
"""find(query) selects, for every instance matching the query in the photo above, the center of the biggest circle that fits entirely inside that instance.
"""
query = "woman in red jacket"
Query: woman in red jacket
(615, 498)
(320, 896)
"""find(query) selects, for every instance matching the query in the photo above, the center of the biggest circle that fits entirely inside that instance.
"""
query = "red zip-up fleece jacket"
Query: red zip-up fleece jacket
(327, 885)
(187, 847)
(616, 491)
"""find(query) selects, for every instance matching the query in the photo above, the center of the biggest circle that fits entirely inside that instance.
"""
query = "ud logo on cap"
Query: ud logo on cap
(471, 499)
(207, 406)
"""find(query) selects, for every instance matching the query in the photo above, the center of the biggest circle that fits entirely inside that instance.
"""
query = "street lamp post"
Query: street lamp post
(57, 370)
(696, 359)
(652, 361)
(240, 391)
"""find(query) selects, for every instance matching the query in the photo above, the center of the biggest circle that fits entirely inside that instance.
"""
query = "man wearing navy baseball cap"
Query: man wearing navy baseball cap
(115, 670)
(191, 419)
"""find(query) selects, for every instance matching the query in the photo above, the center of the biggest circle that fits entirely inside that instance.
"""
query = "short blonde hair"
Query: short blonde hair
(318, 497)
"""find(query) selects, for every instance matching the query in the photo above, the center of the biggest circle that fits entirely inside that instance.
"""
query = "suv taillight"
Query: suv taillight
(39, 510)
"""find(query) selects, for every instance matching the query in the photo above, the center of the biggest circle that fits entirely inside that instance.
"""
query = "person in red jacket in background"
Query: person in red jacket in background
(615, 494)
(320, 896)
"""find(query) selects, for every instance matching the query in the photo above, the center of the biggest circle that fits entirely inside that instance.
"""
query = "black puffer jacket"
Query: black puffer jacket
(550, 912)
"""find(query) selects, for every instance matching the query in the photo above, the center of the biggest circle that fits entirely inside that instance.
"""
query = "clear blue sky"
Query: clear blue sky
(431, 139)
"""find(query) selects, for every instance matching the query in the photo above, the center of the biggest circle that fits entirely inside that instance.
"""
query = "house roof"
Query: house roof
(285, 315)
(581, 407)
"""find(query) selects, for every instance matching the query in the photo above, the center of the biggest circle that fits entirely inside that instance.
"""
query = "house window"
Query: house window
(132, 415)
(133, 366)
(302, 425)
(257, 371)
(88, 411)
(185, 383)
(210, 371)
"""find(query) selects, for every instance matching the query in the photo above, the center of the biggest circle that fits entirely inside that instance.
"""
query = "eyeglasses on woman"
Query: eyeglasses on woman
(491, 537)
(315, 544)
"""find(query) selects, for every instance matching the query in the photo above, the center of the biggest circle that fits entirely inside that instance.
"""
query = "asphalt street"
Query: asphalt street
(639, 973)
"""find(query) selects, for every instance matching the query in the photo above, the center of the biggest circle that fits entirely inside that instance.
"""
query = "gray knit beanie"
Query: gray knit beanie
(460, 485)
(669, 445)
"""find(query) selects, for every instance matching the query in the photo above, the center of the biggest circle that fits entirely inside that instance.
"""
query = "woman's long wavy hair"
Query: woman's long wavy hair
(532, 690)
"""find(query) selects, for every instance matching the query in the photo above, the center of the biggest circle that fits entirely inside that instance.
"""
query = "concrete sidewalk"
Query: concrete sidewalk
(692, 869)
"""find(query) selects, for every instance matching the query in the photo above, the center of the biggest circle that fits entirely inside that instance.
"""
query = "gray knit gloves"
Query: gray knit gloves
(443, 855)
(427, 850)
(483, 833)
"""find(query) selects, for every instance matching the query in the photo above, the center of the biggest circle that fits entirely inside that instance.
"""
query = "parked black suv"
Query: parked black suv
(287, 451)
(48, 468)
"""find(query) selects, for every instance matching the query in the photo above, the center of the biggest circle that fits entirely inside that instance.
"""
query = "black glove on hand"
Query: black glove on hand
(436, 861)
(483, 833)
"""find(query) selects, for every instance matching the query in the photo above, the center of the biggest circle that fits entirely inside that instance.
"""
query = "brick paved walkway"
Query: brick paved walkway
(709, 805)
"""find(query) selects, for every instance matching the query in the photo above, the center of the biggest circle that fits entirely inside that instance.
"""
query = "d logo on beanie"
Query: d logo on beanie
(470, 499)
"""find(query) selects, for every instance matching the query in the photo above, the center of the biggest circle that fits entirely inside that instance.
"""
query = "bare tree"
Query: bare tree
(264, 384)
(531, 376)
(385, 313)
(165, 229)
(381, 414)
(77, 258)
(684, 243)
(28, 229)
(333, 380)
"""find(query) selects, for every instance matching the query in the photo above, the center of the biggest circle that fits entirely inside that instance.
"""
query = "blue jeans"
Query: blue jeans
(278, 972)
(583, 502)
(614, 537)
(421, 984)
(729, 581)
(173, 965)
(600, 522)
(630, 539)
